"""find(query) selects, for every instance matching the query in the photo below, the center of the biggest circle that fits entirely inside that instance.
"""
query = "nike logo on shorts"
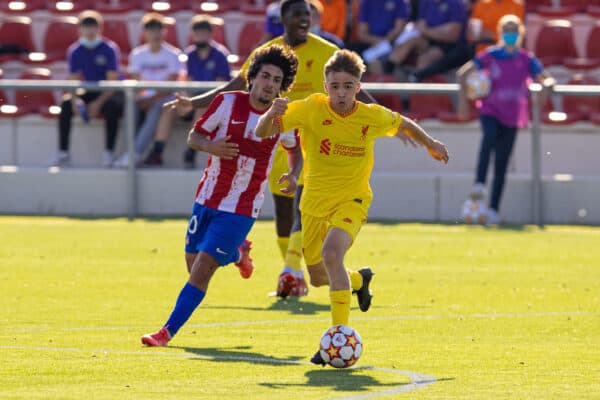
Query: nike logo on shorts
(221, 251)
(234, 122)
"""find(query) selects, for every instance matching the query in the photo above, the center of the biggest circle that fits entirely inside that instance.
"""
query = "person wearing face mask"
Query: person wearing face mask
(505, 109)
(206, 61)
(92, 58)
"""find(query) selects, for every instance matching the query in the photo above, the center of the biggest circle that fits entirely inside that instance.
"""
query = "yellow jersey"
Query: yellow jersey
(312, 56)
(338, 150)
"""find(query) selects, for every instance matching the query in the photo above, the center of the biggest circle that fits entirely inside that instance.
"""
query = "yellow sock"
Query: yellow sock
(340, 306)
(293, 257)
(356, 280)
(282, 242)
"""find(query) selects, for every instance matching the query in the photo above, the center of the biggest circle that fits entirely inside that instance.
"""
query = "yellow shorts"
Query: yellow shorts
(278, 168)
(348, 216)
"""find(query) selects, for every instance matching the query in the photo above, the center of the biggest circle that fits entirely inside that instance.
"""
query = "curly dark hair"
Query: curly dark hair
(278, 56)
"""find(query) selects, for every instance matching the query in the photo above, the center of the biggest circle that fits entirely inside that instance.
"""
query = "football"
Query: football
(341, 346)
(478, 85)
(474, 212)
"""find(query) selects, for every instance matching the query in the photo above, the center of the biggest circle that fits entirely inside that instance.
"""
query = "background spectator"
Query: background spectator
(334, 17)
(380, 22)
(506, 107)
(93, 58)
(273, 25)
(441, 43)
(154, 61)
(485, 16)
(206, 61)
(316, 11)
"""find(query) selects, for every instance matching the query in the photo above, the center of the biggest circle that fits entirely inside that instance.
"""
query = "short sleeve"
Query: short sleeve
(113, 58)
(209, 122)
(385, 120)
(176, 66)
(290, 140)
(134, 62)
(535, 66)
(74, 61)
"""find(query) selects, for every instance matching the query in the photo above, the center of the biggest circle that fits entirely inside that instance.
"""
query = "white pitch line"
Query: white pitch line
(417, 380)
(315, 320)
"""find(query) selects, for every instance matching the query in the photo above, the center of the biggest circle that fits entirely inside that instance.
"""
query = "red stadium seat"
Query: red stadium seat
(593, 10)
(34, 101)
(556, 12)
(16, 31)
(22, 6)
(592, 53)
(171, 36)
(555, 42)
(578, 5)
(61, 33)
(391, 101)
(69, 7)
(423, 106)
(118, 7)
(116, 30)
(584, 106)
(164, 6)
(595, 118)
(249, 37)
(532, 5)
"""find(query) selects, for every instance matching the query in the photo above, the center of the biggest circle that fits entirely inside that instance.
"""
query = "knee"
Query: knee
(331, 256)
(318, 280)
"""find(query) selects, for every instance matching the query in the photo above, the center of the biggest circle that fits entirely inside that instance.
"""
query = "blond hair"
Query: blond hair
(346, 61)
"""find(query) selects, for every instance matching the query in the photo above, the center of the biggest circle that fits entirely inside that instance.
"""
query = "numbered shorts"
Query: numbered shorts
(349, 216)
(217, 233)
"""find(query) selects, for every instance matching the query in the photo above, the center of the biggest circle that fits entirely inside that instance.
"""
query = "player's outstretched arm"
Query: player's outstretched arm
(185, 104)
(221, 148)
(295, 163)
(266, 125)
(435, 148)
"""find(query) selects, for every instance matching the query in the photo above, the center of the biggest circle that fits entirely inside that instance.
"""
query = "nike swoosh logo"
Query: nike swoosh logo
(234, 122)
(221, 251)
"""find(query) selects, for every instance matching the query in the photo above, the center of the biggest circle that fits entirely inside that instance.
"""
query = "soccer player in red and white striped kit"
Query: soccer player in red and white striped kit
(231, 191)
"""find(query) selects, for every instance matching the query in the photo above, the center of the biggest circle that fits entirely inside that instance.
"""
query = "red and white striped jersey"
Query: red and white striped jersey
(237, 185)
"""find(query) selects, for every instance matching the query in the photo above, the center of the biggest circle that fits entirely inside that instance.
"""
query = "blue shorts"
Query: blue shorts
(217, 233)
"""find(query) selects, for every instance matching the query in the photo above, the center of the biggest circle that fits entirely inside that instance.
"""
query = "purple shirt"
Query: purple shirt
(214, 67)
(93, 64)
(510, 74)
(439, 12)
(381, 15)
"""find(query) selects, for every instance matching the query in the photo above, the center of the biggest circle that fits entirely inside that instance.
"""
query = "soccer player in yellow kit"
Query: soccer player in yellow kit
(312, 52)
(337, 135)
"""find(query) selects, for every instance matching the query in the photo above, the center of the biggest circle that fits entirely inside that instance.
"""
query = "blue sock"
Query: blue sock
(189, 298)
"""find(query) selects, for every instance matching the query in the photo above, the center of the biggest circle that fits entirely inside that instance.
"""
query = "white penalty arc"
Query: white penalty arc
(417, 380)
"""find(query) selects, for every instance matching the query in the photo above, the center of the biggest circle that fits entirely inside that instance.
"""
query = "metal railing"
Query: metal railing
(130, 87)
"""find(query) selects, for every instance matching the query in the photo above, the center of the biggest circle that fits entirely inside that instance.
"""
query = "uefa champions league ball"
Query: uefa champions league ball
(473, 212)
(341, 346)
(478, 85)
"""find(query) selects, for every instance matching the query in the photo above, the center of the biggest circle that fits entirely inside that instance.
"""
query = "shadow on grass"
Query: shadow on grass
(292, 305)
(237, 354)
(337, 379)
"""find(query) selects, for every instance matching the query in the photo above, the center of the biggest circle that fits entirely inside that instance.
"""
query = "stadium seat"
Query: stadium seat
(593, 10)
(555, 42)
(532, 5)
(391, 101)
(423, 106)
(22, 6)
(556, 12)
(34, 101)
(595, 118)
(116, 30)
(61, 33)
(249, 37)
(578, 5)
(592, 52)
(164, 6)
(69, 7)
(574, 108)
(122, 6)
(16, 31)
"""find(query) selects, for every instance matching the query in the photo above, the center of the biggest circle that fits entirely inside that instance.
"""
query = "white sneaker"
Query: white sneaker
(478, 192)
(108, 159)
(492, 217)
(60, 159)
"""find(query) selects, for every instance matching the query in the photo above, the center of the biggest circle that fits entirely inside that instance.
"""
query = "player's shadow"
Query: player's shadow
(236, 354)
(354, 380)
(291, 305)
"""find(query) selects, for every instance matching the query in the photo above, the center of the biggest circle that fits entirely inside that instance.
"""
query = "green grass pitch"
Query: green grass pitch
(466, 312)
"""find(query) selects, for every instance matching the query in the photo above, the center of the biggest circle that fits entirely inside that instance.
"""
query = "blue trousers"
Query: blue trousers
(499, 139)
